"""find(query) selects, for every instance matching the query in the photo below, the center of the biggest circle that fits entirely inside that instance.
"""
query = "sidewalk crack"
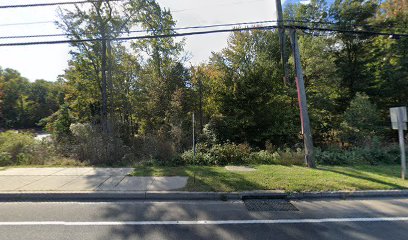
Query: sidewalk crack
(150, 184)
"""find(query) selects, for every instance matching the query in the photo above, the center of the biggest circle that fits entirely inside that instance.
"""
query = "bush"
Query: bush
(218, 154)
(91, 145)
(332, 157)
(289, 157)
(5, 159)
(200, 158)
(16, 148)
(264, 157)
(372, 154)
(22, 149)
(238, 154)
(230, 153)
(361, 121)
(59, 123)
(153, 147)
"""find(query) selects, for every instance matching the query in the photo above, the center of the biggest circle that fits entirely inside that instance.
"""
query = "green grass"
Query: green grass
(287, 178)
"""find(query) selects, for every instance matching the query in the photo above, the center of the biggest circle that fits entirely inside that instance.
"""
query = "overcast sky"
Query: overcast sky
(47, 62)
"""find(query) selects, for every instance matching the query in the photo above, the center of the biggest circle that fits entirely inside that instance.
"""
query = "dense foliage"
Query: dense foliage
(120, 102)
(24, 104)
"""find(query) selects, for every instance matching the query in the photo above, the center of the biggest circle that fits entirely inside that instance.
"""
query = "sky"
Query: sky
(47, 62)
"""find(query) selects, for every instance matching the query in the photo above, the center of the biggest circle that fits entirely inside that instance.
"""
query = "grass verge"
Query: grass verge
(287, 178)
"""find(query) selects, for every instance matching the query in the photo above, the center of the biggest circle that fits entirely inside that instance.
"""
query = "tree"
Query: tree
(351, 49)
(251, 104)
(59, 123)
(388, 56)
(43, 99)
(163, 78)
(14, 99)
(1, 99)
(361, 121)
(88, 69)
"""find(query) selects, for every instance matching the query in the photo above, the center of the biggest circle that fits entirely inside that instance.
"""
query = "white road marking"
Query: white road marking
(125, 202)
(204, 222)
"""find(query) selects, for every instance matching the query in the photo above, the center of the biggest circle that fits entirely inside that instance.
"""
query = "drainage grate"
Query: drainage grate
(269, 205)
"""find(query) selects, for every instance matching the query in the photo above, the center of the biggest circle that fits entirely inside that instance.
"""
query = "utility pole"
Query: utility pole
(102, 30)
(104, 114)
(304, 115)
(110, 86)
(281, 29)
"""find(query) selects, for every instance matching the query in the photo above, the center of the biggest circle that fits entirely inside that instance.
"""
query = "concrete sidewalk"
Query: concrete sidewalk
(83, 179)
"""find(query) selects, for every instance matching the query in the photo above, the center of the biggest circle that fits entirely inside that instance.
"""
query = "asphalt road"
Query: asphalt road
(322, 219)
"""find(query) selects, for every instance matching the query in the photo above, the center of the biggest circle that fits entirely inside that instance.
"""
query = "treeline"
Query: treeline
(133, 100)
(24, 104)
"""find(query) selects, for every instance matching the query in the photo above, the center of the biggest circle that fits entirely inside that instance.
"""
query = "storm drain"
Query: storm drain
(269, 205)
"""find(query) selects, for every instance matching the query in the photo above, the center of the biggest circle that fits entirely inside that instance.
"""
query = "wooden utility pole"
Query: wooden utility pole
(102, 30)
(104, 114)
(282, 39)
(304, 115)
(110, 86)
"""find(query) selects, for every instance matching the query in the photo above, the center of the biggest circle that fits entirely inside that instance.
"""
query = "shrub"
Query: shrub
(21, 148)
(230, 153)
(200, 158)
(264, 157)
(361, 121)
(16, 148)
(154, 147)
(5, 159)
(331, 157)
(373, 154)
(91, 145)
(238, 154)
(59, 123)
(290, 157)
(218, 154)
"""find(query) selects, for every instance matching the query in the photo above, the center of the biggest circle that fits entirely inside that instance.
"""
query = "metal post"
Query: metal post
(304, 115)
(194, 146)
(402, 143)
(282, 40)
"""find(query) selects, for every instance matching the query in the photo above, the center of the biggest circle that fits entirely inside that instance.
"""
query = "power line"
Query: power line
(93, 1)
(340, 24)
(51, 4)
(186, 28)
(202, 33)
(141, 31)
(215, 25)
(25, 23)
(138, 37)
(361, 32)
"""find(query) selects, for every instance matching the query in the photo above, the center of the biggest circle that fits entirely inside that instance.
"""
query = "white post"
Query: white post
(402, 143)
(398, 121)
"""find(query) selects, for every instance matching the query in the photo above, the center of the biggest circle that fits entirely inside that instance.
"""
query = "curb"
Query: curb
(142, 195)
(348, 194)
(173, 195)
